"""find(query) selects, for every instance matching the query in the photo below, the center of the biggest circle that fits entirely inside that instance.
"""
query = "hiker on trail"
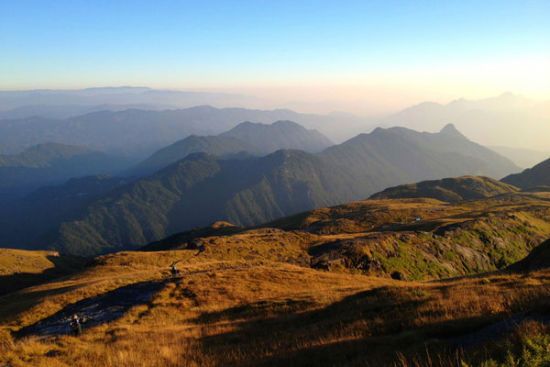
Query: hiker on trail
(174, 270)
(76, 324)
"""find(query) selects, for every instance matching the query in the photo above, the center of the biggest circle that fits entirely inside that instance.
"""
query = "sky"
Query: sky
(352, 55)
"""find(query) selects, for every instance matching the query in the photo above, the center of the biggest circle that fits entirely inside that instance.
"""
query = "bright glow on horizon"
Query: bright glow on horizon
(357, 56)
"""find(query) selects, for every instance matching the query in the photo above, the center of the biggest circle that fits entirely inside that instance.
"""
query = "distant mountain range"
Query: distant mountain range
(536, 177)
(66, 111)
(139, 133)
(247, 137)
(202, 188)
(163, 117)
(59, 99)
(507, 120)
(50, 164)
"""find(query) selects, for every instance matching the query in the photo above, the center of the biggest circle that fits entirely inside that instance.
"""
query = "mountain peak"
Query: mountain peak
(450, 129)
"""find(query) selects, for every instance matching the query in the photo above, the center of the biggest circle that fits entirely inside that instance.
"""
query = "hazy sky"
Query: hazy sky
(361, 54)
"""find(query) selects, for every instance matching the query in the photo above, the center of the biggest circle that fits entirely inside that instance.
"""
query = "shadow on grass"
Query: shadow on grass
(256, 310)
(97, 310)
(365, 329)
(14, 304)
(62, 266)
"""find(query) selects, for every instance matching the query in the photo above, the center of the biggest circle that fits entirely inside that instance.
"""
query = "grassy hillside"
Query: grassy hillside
(408, 238)
(312, 289)
(449, 189)
(256, 312)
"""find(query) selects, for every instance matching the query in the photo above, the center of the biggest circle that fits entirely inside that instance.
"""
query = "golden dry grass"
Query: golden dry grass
(20, 268)
(22, 261)
(260, 312)
(251, 299)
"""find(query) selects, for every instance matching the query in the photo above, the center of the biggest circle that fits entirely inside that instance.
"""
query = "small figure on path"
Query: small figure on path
(174, 271)
(76, 324)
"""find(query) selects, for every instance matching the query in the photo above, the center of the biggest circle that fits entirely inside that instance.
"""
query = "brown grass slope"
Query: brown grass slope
(21, 268)
(411, 238)
(258, 313)
(252, 297)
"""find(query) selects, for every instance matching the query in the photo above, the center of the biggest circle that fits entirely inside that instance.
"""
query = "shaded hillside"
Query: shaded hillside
(250, 138)
(29, 219)
(448, 189)
(202, 189)
(42, 155)
(51, 163)
(538, 176)
(399, 155)
(220, 146)
(538, 259)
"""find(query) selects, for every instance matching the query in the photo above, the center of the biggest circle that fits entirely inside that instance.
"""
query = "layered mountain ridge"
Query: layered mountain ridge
(51, 164)
(202, 188)
(247, 137)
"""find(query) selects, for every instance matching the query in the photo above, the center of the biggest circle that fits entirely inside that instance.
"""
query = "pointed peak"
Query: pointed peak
(450, 129)
(377, 130)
